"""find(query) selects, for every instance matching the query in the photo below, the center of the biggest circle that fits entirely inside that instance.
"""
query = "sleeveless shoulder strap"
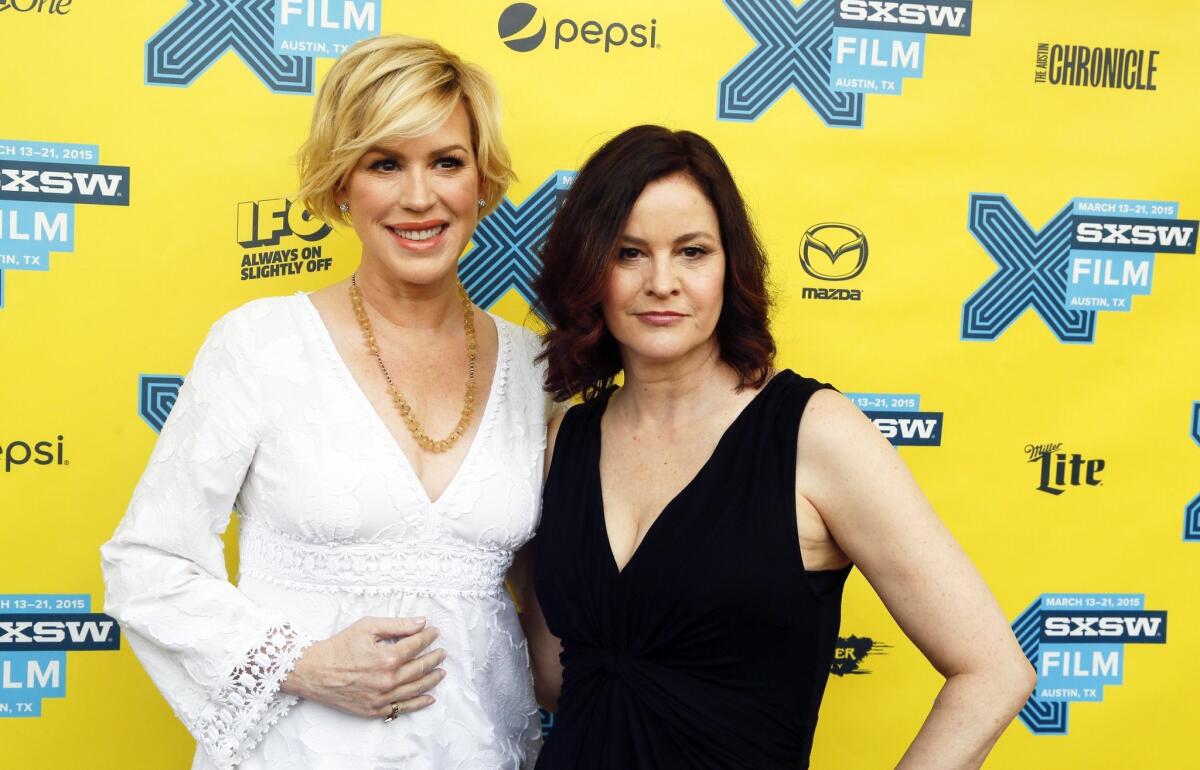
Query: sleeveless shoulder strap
(572, 431)
(571, 461)
(784, 409)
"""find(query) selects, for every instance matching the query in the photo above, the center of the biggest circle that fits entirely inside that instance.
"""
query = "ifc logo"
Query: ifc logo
(515, 25)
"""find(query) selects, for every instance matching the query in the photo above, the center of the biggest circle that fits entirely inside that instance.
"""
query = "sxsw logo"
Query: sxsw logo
(36, 632)
(277, 39)
(950, 18)
(64, 183)
(833, 52)
(833, 251)
(58, 632)
(507, 243)
(1111, 626)
(1094, 254)
(899, 419)
(1107, 234)
(40, 183)
(523, 28)
(1076, 644)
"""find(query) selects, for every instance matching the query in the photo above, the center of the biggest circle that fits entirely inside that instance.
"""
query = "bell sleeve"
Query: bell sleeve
(217, 657)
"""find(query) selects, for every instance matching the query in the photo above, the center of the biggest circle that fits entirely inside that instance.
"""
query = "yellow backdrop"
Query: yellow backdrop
(111, 276)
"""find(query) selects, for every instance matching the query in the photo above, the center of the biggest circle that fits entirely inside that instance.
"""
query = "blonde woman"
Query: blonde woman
(382, 439)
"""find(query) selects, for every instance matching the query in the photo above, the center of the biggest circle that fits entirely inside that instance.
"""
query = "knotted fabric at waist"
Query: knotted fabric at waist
(585, 661)
(371, 567)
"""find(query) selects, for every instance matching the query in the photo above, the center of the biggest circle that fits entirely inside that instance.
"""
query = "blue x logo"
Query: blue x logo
(1033, 272)
(156, 398)
(793, 51)
(507, 245)
(1041, 717)
(204, 30)
(1191, 520)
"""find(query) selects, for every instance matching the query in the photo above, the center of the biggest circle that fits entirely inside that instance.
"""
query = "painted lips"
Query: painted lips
(660, 317)
(419, 236)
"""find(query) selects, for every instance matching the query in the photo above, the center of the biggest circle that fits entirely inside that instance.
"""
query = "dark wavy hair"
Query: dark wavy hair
(582, 357)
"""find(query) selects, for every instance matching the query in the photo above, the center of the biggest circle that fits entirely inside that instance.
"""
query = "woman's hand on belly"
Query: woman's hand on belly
(370, 665)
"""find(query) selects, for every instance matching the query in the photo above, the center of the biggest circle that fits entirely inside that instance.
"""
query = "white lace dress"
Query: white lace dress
(333, 525)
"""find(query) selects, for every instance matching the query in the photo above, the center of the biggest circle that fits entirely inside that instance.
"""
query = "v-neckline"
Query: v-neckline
(325, 337)
(598, 479)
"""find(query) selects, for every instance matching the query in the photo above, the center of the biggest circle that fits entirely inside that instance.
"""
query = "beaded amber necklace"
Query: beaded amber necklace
(402, 406)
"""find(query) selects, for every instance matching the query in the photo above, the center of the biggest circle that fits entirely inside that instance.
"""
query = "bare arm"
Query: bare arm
(544, 647)
(874, 510)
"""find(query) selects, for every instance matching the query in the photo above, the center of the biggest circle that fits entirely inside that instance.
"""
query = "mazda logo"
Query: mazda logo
(832, 251)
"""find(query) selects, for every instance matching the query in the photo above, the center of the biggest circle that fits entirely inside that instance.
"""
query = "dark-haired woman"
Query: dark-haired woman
(699, 522)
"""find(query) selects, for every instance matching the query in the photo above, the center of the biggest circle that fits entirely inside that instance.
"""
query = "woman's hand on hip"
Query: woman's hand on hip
(370, 665)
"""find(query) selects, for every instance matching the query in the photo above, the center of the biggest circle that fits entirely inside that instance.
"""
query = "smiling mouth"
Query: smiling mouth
(425, 234)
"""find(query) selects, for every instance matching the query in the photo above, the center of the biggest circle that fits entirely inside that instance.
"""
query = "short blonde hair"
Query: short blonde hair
(397, 87)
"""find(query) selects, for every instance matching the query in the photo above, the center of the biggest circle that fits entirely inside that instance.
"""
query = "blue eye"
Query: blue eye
(384, 164)
(449, 163)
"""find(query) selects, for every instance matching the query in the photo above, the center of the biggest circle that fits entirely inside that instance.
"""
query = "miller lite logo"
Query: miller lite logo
(1060, 470)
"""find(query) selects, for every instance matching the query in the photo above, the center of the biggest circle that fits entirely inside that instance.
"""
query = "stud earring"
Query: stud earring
(343, 207)
(482, 203)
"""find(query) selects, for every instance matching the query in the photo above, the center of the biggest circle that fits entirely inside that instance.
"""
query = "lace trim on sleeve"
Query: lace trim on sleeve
(250, 702)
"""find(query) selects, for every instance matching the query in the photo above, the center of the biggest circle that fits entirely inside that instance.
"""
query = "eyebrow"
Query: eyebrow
(440, 151)
(685, 237)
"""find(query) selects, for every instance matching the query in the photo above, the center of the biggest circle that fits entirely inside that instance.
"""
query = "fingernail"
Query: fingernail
(420, 621)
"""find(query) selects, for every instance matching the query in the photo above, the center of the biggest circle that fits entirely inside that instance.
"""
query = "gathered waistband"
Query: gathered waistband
(368, 567)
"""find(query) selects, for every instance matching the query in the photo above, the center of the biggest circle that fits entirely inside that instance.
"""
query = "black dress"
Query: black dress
(712, 647)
